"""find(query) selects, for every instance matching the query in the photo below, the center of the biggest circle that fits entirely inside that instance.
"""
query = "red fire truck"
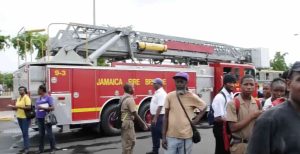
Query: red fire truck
(85, 94)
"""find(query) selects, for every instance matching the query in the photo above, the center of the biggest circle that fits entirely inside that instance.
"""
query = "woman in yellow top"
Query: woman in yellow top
(23, 103)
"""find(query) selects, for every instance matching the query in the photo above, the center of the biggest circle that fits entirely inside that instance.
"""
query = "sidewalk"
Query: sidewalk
(6, 115)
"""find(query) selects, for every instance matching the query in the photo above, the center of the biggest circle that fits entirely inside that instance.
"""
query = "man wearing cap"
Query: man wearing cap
(157, 111)
(219, 107)
(177, 131)
(280, 124)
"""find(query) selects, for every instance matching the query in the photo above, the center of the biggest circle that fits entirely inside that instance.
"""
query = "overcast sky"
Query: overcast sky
(246, 23)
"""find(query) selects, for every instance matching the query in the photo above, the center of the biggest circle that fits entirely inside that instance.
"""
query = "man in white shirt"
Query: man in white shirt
(219, 106)
(157, 111)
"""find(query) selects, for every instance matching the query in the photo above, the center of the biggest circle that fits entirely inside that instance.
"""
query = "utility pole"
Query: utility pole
(94, 12)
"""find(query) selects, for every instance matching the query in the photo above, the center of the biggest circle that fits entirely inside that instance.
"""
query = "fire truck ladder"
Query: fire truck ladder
(116, 44)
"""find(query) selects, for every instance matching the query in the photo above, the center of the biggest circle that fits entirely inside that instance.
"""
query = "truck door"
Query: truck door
(60, 88)
(83, 95)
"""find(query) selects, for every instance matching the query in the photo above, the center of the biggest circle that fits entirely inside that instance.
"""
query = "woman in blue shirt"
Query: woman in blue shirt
(43, 106)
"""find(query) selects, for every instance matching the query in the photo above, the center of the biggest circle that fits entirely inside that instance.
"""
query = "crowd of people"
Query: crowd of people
(246, 125)
(171, 116)
(241, 124)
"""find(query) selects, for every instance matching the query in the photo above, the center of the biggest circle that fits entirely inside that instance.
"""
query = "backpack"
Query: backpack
(226, 130)
(210, 114)
(117, 122)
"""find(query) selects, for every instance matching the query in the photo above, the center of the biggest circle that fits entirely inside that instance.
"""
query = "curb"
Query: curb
(6, 119)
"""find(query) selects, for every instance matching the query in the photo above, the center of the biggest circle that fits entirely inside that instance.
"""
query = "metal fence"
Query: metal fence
(5, 93)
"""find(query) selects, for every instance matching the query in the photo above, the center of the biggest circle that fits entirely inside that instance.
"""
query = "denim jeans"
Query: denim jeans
(179, 146)
(24, 126)
(156, 132)
(42, 128)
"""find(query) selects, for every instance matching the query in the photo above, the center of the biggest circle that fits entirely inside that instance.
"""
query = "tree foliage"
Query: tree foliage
(29, 42)
(4, 42)
(7, 80)
(278, 62)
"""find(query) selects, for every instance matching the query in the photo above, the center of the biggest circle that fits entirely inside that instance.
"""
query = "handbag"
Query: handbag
(196, 134)
(30, 114)
(50, 119)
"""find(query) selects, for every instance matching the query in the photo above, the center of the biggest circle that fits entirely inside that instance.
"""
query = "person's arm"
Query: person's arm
(27, 105)
(13, 107)
(154, 121)
(51, 105)
(199, 116)
(165, 124)
(219, 119)
(50, 108)
(260, 141)
(132, 109)
(161, 101)
(201, 105)
(217, 105)
(165, 128)
(237, 126)
(140, 121)
(24, 108)
(232, 119)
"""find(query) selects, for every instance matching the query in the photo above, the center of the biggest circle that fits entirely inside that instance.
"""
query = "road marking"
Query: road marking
(6, 118)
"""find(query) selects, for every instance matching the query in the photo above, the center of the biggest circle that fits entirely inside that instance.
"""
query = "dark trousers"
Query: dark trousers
(42, 128)
(24, 126)
(218, 133)
(156, 131)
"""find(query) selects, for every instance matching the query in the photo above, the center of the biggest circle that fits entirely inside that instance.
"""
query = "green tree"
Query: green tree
(278, 62)
(28, 42)
(7, 80)
(4, 42)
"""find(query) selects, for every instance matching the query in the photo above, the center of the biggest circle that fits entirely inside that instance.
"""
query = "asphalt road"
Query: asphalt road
(88, 142)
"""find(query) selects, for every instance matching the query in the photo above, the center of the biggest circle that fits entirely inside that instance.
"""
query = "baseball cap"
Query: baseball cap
(182, 75)
(157, 81)
(294, 68)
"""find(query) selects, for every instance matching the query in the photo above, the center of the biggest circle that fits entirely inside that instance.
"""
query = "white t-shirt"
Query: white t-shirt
(157, 100)
(219, 104)
(268, 104)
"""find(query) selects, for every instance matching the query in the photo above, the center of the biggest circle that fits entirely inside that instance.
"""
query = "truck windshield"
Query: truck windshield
(249, 71)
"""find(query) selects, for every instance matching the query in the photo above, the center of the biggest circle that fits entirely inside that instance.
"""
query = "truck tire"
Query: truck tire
(144, 113)
(106, 124)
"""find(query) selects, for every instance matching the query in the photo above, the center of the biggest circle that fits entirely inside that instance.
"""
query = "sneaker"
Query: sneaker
(52, 152)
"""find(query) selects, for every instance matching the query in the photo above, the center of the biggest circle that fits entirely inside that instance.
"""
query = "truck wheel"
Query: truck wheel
(107, 123)
(144, 113)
